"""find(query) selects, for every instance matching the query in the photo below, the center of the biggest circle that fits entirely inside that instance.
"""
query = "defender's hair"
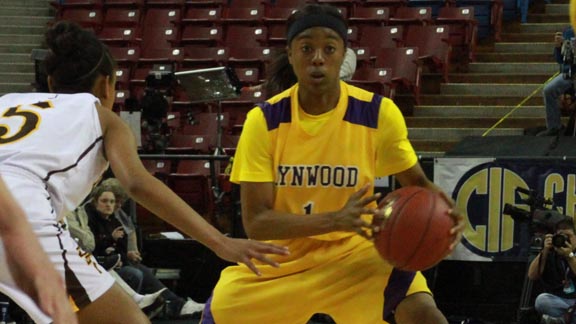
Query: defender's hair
(76, 58)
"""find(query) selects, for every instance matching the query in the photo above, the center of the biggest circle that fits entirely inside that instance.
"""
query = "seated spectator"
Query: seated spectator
(555, 89)
(77, 224)
(555, 267)
(115, 233)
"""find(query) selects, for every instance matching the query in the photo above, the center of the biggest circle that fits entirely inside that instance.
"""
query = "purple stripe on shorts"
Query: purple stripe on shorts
(207, 317)
(398, 284)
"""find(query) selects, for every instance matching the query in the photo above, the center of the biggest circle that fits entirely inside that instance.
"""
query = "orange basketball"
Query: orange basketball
(416, 233)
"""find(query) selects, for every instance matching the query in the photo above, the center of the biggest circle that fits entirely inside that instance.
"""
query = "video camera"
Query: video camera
(542, 219)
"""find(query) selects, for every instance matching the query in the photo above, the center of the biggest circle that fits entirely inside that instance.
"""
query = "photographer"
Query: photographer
(555, 267)
(555, 89)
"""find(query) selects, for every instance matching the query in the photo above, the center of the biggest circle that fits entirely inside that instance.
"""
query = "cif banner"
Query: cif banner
(481, 187)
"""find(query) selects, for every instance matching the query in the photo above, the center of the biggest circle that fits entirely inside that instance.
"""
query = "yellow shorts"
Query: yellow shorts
(346, 279)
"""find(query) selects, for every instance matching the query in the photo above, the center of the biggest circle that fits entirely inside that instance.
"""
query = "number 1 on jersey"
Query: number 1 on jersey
(308, 208)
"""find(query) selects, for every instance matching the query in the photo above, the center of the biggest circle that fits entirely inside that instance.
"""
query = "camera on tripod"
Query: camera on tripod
(542, 217)
(568, 51)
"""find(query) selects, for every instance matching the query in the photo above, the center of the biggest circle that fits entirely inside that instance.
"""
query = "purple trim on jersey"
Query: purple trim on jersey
(362, 112)
(276, 113)
(207, 317)
(398, 284)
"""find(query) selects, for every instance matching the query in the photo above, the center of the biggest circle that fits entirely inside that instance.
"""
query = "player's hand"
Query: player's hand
(243, 251)
(53, 300)
(348, 218)
(134, 256)
(458, 228)
(47, 289)
(118, 233)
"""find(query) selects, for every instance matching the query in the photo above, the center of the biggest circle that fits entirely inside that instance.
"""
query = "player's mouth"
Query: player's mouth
(317, 76)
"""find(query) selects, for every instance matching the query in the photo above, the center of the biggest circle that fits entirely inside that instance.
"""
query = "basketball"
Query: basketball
(416, 233)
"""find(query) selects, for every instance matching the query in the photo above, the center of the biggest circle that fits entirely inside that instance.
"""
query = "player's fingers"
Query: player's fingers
(361, 192)
(266, 248)
(252, 267)
(263, 258)
(366, 200)
(363, 233)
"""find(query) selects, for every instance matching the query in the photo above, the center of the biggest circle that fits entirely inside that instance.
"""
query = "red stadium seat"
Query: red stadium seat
(403, 61)
(370, 15)
(201, 57)
(412, 16)
(123, 78)
(376, 37)
(248, 76)
(207, 124)
(191, 144)
(58, 4)
(118, 36)
(162, 17)
(202, 16)
(124, 3)
(254, 57)
(158, 168)
(290, 3)
(463, 28)
(158, 38)
(392, 4)
(433, 45)
(377, 80)
(246, 3)
(363, 58)
(277, 15)
(122, 17)
(204, 36)
(244, 15)
(85, 17)
(191, 182)
(245, 36)
(125, 56)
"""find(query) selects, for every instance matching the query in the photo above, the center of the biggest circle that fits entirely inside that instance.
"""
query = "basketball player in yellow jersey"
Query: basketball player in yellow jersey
(305, 162)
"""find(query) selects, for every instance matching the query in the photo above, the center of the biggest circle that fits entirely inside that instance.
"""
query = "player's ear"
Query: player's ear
(102, 87)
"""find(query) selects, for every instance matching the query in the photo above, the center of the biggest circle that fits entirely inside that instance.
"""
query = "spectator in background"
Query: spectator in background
(555, 89)
(77, 223)
(555, 267)
(113, 234)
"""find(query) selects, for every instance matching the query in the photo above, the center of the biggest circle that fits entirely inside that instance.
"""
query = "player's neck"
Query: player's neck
(316, 104)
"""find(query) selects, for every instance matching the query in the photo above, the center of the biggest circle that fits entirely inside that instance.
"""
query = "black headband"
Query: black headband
(317, 20)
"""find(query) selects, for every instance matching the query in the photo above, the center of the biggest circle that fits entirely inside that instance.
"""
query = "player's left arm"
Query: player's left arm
(415, 176)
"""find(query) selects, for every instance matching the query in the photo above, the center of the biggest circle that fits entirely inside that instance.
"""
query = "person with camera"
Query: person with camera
(555, 89)
(555, 267)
